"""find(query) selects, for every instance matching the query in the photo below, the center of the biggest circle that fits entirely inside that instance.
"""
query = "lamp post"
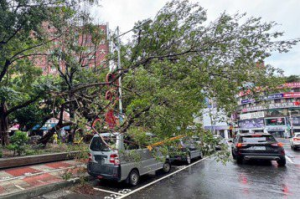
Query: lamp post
(119, 66)
(291, 123)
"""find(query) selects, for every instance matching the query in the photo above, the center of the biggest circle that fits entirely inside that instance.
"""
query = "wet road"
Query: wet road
(211, 179)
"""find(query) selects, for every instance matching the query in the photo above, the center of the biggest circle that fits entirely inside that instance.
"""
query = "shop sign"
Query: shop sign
(252, 123)
(291, 95)
(254, 108)
(282, 105)
(270, 106)
(270, 97)
(252, 115)
(275, 96)
(292, 85)
(295, 121)
(276, 128)
(247, 101)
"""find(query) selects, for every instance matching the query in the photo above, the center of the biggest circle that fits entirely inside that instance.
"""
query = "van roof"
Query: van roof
(106, 134)
(117, 133)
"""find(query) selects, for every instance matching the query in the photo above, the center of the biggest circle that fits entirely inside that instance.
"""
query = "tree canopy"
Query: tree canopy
(178, 59)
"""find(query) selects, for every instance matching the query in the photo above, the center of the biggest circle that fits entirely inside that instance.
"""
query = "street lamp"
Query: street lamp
(119, 67)
(291, 122)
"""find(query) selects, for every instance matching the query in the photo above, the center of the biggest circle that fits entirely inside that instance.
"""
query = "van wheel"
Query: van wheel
(134, 177)
(188, 158)
(166, 167)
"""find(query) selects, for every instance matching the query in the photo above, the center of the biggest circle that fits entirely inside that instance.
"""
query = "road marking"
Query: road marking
(160, 179)
(19, 187)
(289, 159)
(107, 191)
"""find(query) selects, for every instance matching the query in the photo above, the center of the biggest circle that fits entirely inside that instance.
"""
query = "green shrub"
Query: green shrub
(18, 142)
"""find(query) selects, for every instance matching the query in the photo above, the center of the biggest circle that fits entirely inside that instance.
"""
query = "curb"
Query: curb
(36, 159)
(30, 193)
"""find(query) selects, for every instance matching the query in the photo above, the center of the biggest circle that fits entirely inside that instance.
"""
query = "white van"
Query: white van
(121, 160)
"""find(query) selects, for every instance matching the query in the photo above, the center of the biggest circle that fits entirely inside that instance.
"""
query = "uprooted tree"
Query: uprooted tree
(177, 60)
(172, 64)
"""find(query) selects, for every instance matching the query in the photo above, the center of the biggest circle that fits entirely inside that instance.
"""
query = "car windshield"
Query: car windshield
(257, 139)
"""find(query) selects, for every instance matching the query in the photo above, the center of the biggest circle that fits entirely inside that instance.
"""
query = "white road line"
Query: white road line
(289, 159)
(107, 191)
(19, 187)
(160, 179)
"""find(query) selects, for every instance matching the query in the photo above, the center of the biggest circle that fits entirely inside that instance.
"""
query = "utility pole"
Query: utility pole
(119, 66)
(120, 79)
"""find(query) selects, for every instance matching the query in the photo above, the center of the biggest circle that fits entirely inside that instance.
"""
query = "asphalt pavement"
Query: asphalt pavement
(206, 179)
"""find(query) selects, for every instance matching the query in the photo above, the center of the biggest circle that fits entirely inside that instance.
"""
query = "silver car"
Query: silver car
(188, 148)
(114, 158)
(295, 141)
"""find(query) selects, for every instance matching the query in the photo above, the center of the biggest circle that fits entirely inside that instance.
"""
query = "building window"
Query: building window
(275, 122)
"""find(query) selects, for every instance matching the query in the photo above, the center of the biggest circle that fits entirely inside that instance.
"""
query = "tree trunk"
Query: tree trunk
(3, 124)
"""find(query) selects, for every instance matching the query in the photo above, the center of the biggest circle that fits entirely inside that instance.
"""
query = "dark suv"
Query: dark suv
(262, 146)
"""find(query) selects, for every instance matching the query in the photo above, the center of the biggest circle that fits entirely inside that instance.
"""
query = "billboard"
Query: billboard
(252, 115)
(295, 121)
(251, 123)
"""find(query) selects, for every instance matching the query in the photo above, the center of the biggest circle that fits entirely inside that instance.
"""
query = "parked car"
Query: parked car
(122, 160)
(220, 142)
(186, 149)
(262, 146)
(295, 141)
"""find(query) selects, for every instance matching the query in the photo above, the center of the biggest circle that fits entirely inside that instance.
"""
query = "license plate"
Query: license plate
(259, 148)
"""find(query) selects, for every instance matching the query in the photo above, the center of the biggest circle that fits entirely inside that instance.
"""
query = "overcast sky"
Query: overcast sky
(124, 13)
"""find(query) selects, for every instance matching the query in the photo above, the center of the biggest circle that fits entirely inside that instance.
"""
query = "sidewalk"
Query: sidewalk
(28, 178)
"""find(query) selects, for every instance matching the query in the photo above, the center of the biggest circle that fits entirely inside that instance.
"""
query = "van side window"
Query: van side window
(130, 144)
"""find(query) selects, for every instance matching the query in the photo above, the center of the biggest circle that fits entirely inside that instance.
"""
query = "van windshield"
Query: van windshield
(98, 145)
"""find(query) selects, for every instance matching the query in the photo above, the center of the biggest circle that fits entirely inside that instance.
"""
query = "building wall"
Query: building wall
(277, 113)
(95, 55)
(216, 122)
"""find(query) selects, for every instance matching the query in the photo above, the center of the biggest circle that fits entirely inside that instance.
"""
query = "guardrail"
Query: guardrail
(36, 159)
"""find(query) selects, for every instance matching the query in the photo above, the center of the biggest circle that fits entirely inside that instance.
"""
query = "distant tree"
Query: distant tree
(293, 78)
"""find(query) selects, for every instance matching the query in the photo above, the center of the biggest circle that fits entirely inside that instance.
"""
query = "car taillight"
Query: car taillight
(114, 159)
(279, 144)
(239, 145)
(296, 139)
(90, 157)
